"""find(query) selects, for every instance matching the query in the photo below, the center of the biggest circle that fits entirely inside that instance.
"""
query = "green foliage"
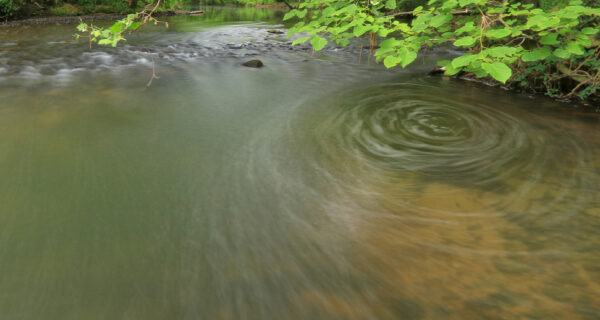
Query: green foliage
(555, 49)
(65, 10)
(253, 2)
(8, 8)
(248, 3)
(91, 6)
(112, 35)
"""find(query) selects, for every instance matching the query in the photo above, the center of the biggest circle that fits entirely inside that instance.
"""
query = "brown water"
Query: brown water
(313, 188)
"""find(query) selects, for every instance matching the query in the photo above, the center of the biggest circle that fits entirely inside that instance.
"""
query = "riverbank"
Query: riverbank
(76, 18)
(62, 19)
(589, 107)
(75, 14)
(34, 13)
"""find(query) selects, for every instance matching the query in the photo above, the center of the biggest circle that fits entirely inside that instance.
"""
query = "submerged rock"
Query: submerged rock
(437, 70)
(253, 64)
(235, 46)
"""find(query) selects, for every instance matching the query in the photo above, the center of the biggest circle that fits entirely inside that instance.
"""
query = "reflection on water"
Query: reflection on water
(313, 188)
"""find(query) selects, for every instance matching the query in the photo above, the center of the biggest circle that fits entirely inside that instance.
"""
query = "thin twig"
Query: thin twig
(154, 76)
(362, 41)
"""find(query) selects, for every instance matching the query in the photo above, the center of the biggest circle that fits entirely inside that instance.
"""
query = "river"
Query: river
(316, 187)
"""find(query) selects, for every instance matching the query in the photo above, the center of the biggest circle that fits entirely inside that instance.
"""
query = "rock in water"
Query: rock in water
(437, 70)
(253, 64)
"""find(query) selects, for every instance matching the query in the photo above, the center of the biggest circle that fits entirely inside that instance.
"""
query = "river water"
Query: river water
(313, 188)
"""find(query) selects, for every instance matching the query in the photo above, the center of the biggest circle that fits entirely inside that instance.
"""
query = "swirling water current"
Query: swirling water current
(313, 188)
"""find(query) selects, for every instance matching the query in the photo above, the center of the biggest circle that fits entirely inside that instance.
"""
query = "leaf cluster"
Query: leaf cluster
(116, 32)
(112, 35)
(514, 43)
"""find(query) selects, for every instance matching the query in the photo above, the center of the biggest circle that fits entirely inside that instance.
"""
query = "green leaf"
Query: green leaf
(589, 31)
(464, 60)
(550, 39)
(408, 58)
(542, 21)
(575, 48)
(440, 20)
(403, 57)
(562, 53)
(351, 9)
(328, 11)
(537, 54)
(443, 63)
(300, 40)
(481, 73)
(465, 41)
(318, 43)
(450, 70)
(498, 71)
(468, 27)
(82, 27)
(115, 40)
(360, 30)
(449, 4)
(117, 27)
(289, 15)
(134, 25)
(390, 4)
(383, 32)
(584, 40)
(500, 52)
(301, 13)
(389, 43)
(498, 33)
(391, 61)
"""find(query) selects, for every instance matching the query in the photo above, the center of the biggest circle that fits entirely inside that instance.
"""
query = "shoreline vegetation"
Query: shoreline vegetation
(534, 46)
(16, 12)
(549, 47)
(52, 19)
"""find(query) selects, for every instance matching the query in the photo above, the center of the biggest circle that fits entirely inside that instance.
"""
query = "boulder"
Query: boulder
(253, 64)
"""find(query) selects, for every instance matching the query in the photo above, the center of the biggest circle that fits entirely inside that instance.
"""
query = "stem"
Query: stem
(154, 76)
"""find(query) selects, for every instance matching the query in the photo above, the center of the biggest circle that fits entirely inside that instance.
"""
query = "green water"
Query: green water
(313, 188)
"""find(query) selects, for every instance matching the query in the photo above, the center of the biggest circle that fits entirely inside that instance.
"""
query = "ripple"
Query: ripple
(49, 63)
(407, 127)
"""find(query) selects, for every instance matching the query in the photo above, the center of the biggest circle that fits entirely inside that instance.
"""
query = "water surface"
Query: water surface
(313, 188)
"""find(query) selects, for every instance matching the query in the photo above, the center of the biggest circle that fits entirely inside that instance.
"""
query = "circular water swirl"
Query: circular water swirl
(414, 128)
